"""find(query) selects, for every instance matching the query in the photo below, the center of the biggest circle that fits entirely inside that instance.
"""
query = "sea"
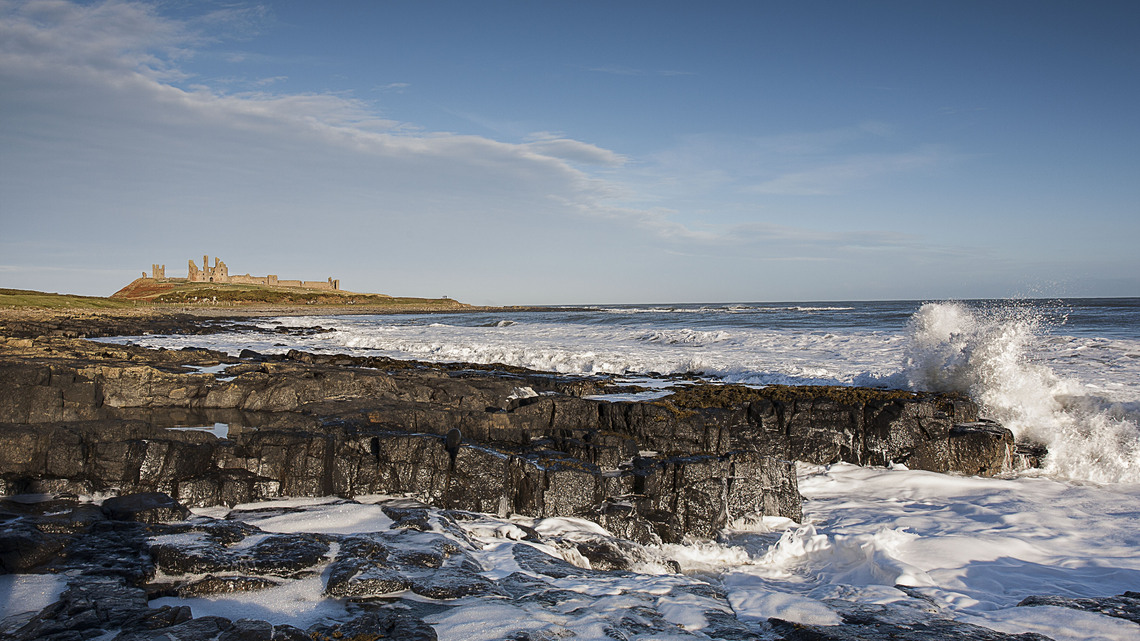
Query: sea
(1063, 373)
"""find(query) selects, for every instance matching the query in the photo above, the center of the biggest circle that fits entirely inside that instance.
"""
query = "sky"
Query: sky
(577, 152)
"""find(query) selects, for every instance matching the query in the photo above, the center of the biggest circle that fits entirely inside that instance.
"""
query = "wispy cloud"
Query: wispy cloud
(617, 70)
(394, 87)
(849, 173)
(573, 150)
(265, 82)
(107, 37)
(622, 70)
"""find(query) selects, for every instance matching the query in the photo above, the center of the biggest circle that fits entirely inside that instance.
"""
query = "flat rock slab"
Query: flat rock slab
(1122, 606)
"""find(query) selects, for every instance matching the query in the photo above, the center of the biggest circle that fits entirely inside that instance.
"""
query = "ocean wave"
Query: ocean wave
(988, 354)
(714, 309)
(692, 337)
(498, 323)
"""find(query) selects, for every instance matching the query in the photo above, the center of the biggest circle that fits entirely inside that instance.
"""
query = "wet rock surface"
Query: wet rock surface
(408, 582)
(863, 627)
(82, 417)
(1122, 606)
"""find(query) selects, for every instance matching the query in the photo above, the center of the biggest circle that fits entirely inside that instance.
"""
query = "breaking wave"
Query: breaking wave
(684, 337)
(991, 355)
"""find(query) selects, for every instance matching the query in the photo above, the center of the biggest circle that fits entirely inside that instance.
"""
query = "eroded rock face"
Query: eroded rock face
(660, 498)
(146, 507)
(686, 465)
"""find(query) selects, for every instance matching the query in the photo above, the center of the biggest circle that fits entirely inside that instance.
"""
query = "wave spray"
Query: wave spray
(989, 354)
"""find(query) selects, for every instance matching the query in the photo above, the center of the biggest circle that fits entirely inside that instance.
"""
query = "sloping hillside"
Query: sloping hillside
(182, 292)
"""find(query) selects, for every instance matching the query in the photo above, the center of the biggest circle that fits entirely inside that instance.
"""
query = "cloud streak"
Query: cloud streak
(849, 173)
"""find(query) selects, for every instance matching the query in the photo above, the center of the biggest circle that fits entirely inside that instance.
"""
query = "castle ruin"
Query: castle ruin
(220, 273)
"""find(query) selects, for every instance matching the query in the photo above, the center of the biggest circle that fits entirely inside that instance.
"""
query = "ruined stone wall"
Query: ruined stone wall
(220, 273)
(246, 279)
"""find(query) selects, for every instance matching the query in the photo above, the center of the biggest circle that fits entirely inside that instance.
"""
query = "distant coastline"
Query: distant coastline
(93, 316)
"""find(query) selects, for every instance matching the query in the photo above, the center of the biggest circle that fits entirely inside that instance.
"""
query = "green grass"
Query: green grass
(154, 294)
(216, 293)
(182, 292)
(32, 299)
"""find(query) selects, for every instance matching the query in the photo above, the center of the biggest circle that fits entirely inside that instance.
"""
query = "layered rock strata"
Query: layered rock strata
(85, 417)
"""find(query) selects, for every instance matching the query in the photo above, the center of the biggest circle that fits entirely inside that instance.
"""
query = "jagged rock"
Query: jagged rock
(425, 550)
(362, 569)
(112, 549)
(412, 518)
(98, 604)
(983, 448)
(248, 630)
(289, 633)
(385, 623)
(450, 583)
(225, 585)
(891, 623)
(697, 490)
(48, 534)
(24, 547)
(426, 563)
(281, 555)
(534, 560)
(198, 629)
(1122, 606)
(284, 554)
(359, 578)
(603, 554)
(146, 507)
(192, 556)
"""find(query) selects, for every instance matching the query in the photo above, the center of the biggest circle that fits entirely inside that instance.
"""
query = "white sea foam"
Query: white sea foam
(995, 356)
(972, 548)
(328, 516)
(299, 602)
(28, 593)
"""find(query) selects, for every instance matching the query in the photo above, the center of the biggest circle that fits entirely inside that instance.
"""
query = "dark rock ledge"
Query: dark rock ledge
(82, 417)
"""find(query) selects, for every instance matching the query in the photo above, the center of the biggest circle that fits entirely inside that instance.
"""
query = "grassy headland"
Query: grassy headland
(29, 299)
(178, 294)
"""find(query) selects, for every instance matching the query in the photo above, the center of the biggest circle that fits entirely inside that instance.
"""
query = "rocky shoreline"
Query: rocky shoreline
(81, 418)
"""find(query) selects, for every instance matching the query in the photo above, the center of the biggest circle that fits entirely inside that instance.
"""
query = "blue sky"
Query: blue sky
(584, 152)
